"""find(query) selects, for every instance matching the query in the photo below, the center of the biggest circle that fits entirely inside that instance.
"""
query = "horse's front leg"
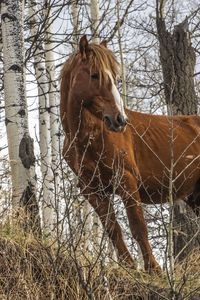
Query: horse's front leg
(104, 209)
(128, 190)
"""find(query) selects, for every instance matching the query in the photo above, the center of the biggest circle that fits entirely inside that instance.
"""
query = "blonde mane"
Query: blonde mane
(100, 59)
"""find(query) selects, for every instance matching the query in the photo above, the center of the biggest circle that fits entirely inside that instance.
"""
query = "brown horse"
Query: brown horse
(115, 150)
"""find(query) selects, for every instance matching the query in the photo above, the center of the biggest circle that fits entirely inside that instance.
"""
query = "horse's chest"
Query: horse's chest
(98, 163)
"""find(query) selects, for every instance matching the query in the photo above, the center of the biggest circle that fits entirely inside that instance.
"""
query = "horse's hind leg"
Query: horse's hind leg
(105, 211)
(194, 199)
(130, 196)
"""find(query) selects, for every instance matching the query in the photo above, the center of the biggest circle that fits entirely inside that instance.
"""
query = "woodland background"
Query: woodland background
(51, 242)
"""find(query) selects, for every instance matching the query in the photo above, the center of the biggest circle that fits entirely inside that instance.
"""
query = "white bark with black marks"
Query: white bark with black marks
(21, 154)
(44, 119)
(75, 23)
(94, 10)
(53, 109)
(53, 94)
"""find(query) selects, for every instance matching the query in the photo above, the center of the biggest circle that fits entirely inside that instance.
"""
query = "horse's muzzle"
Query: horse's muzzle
(117, 123)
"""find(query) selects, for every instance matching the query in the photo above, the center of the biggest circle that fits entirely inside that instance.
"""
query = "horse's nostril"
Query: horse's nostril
(115, 123)
(121, 120)
(107, 120)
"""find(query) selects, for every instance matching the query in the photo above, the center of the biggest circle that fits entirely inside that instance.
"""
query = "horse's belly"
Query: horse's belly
(156, 178)
(151, 196)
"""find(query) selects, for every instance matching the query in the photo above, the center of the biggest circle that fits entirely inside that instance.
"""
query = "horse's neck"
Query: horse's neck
(80, 122)
(68, 109)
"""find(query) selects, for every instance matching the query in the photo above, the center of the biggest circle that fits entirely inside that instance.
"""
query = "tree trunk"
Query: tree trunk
(95, 18)
(75, 23)
(178, 61)
(122, 62)
(53, 110)
(94, 11)
(20, 144)
(44, 120)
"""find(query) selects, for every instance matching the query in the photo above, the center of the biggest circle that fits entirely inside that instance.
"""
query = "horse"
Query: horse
(112, 149)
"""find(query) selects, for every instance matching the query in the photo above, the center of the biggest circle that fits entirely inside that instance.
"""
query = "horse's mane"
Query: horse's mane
(100, 60)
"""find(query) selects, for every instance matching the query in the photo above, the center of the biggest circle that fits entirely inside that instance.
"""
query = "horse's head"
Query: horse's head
(93, 74)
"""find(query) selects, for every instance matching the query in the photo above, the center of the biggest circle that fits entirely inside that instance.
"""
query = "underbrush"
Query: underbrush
(33, 269)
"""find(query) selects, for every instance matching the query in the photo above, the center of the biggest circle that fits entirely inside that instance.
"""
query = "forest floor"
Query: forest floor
(32, 269)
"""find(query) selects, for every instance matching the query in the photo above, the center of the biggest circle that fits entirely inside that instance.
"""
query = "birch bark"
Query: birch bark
(44, 120)
(53, 110)
(95, 18)
(83, 214)
(94, 10)
(75, 23)
(20, 144)
(123, 68)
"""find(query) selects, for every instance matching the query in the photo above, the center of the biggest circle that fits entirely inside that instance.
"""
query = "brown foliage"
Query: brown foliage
(30, 270)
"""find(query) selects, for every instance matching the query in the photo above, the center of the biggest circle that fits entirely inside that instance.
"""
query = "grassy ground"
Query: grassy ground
(31, 269)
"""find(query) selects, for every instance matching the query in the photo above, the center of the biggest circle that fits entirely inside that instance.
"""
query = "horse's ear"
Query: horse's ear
(104, 43)
(83, 46)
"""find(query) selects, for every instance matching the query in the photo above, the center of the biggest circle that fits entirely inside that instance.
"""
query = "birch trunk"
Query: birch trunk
(84, 210)
(75, 24)
(20, 144)
(94, 10)
(44, 121)
(53, 110)
(95, 19)
(123, 69)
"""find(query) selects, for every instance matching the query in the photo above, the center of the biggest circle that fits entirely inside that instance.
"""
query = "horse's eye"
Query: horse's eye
(95, 76)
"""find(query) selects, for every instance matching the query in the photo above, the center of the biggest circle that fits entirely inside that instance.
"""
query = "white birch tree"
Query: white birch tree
(83, 213)
(123, 69)
(94, 11)
(53, 107)
(95, 19)
(44, 120)
(75, 23)
(20, 144)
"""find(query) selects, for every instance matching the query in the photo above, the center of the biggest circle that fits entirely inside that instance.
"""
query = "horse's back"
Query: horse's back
(163, 145)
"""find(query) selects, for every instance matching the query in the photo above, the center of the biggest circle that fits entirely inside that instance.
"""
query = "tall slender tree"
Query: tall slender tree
(44, 119)
(95, 22)
(75, 23)
(123, 68)
(95, 19)
(53, 106)
(20, 144)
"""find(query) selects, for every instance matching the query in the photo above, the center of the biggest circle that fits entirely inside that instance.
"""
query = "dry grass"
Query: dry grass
(31, 269)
